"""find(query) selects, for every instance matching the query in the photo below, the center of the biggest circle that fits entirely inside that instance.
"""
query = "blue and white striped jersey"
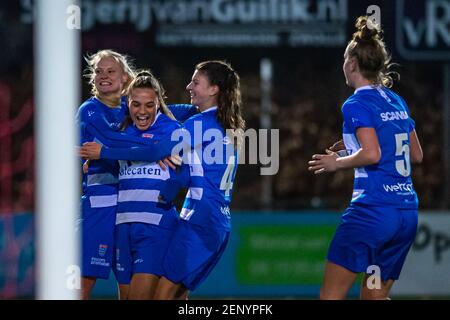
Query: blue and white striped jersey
(387, 183)
(101, 181)
(100, 123)
(140, 182)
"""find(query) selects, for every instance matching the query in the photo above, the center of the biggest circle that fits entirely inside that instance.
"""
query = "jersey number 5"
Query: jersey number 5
(403, 166)
(226, 182)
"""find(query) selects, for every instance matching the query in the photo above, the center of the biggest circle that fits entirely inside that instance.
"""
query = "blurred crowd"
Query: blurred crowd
(307, 97)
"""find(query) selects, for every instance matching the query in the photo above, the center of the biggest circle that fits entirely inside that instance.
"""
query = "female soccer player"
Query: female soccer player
(109, 75)
(379, 226)
(144, 226)
(202, 234)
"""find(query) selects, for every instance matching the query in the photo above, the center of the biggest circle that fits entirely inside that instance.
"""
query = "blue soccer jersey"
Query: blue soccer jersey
(140, 182)
(387, 183)
(182, 112)
(101, 180)
(213, 163)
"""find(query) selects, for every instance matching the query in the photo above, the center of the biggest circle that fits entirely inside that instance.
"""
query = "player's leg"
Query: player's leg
(124, 290)
(337, 282)
(87, 284)
(143, 286)
(380, 293)
(168, 290)
(182, 294)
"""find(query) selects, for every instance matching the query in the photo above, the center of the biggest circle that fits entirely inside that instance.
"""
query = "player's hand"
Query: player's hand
(91, 151)
(321, 163)
(337, 146)
(170, 162)
(86, 166)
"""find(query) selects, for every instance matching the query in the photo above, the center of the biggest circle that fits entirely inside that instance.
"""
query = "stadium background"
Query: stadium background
(280, 237)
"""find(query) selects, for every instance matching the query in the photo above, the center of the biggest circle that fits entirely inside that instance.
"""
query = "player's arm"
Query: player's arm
(416, 153)
(108, 136)
(182, 112)
(368, 154)
(182, 179)
(151, 153)
(168, 145)
(337, 146)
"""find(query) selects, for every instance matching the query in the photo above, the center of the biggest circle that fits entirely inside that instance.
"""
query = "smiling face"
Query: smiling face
(203, 94)
(143, 105)
(109, 77)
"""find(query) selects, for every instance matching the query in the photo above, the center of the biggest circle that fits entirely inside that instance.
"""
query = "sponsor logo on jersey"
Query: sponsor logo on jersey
(399, 187)
(102, 249)
(99, 262)
(115, 125)
(147, 135)
(397, 115)
(148, 170)
(225, 211)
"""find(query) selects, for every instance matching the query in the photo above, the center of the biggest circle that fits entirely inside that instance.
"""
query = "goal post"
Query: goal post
(57, 91)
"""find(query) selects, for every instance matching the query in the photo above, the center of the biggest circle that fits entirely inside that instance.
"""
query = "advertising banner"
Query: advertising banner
(427, 267)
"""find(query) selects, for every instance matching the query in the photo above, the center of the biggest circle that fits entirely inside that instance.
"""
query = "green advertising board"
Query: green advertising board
(282, 254)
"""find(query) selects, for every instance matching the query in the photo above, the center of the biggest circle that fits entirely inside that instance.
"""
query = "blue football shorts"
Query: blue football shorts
(374, 236)
(97, 239)
(140, 248)
(193, 253)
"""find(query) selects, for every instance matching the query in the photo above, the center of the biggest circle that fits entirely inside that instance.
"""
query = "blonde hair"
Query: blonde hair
(369, 49)
(93, 59)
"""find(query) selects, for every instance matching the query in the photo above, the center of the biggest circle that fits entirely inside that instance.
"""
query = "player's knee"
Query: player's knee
(367, 294)
(331, 295)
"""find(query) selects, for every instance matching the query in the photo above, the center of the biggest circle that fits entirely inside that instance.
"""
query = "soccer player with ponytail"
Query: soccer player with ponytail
(379, 227)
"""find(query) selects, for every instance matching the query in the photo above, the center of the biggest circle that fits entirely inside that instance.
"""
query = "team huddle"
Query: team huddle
(129, 221)
(134, 166)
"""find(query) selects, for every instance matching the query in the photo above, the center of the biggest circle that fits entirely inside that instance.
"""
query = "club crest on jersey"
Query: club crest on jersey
(102, 249)
(147, 135)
